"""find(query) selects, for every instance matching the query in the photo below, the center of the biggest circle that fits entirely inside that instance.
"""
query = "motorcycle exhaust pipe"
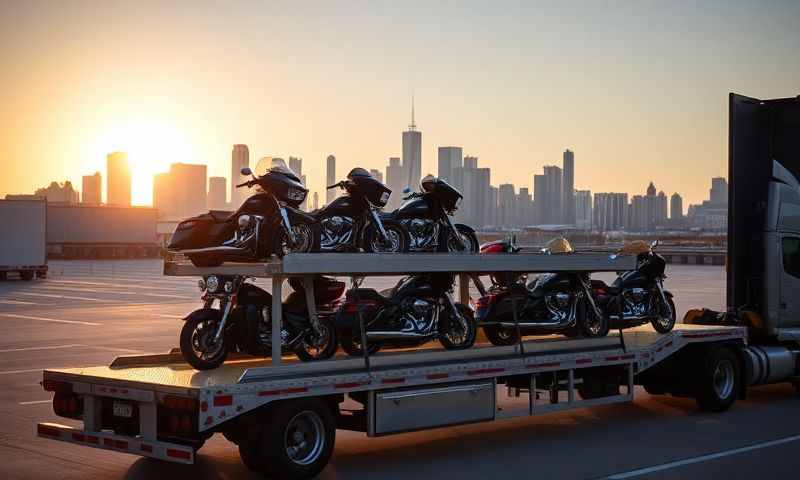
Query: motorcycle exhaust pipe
(394, 335)
(220, 249)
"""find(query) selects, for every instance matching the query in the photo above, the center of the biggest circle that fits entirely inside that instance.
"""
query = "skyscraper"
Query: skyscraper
(539, 202)
(676, 207)
(583, 209)
(718, 195)
(568, 188)
(188, 189)
(412, 153)
(395, 179)
(163, 199)
(506, 204)
(330, 178)
(296, 164)
(554, 197)
(377, 174)
(240, 158)
(119, 179)
(450, 165)
(217, 193)
(316, 201)
(609, 211)
(92, 189)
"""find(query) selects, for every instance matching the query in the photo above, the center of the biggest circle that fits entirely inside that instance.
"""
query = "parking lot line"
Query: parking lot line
(700, 459)
(51, 347)
(35, 402)
(59, 296)
(53, 320)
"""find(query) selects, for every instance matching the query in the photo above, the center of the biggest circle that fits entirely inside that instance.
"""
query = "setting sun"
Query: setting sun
(152, 143)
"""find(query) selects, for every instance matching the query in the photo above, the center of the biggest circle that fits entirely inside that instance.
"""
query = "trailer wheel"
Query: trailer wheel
(296, 440)
(718, 381)
(500, 336)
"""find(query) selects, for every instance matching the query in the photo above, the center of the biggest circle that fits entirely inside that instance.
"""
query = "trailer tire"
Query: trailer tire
(500, 336)
(717, 383)
(295, 442)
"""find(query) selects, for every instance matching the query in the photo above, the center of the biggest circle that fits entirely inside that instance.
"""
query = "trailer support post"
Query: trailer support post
(463, 288)
(311, 304)
(277, 319)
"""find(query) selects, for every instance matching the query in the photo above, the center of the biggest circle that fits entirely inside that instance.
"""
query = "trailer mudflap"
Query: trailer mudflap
(170, 452)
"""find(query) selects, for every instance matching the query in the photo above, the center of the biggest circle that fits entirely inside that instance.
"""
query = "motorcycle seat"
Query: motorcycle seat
(609, 289)
(367, 294)
(220, 216)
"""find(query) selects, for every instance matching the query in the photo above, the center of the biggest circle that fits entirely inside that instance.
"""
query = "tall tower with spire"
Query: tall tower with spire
(412, 153)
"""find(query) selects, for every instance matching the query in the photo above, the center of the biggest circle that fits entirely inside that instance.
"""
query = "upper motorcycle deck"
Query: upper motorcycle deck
(367, 264)
(643, 347)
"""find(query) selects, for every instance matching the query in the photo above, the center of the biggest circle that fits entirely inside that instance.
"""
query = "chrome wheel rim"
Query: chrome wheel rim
(203, 345)
(302, 237)
(723, 379)
(452, 245)
(304, 439)
(391, 245)
(456, 333)
(667, 314)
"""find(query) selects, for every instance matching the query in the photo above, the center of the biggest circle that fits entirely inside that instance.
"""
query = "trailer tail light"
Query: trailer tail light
(353, 307)
(68, 405)
(486, 302)
(177, 416)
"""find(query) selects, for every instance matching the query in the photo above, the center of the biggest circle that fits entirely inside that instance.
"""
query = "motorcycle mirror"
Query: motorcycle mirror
(246, 171)
(407, 190)
(613, 256)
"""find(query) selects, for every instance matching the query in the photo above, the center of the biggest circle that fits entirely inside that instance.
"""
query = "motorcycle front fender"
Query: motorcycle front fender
(203, 312)
(465, 227)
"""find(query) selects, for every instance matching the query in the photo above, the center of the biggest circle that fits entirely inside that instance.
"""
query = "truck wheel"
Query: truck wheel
(718, 381)
(296, 440)
(26, 275)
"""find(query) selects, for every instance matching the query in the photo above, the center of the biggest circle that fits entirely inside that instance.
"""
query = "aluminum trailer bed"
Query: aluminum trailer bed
(393, 392)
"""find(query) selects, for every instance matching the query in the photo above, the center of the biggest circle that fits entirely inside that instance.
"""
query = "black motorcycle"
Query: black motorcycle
(426, 216)
(638, 296)
(550, 303)
(243, 321)
(269, 222)
(418, 309)
(352, 222)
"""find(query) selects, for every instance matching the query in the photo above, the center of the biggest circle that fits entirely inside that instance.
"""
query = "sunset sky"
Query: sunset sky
(637, 89)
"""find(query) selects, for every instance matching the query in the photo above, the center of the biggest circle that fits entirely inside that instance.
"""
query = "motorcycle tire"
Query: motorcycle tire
(599, 327)
(500, 336)
(447, 241)
(188, 338)
(310, 232)
(327, 345)
(665, 327)
(399, 239)
(469, 336)
(350, 341)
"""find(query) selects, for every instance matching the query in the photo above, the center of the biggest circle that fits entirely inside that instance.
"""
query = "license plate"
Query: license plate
(123, 410)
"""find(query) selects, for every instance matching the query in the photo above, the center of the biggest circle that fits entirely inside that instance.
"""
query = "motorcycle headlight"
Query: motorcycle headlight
(384, 198)
(212, 283)
(458, 202)
(228, 287)
(296, 194)
(201, 284)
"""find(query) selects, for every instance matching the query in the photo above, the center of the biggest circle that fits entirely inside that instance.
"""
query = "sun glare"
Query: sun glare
(152, 144)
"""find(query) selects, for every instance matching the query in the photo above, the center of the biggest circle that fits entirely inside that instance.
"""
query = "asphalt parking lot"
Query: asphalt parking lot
(87, 313)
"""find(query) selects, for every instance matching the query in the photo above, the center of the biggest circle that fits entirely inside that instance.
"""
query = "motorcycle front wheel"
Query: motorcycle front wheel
(306, 235)
(318, 345)
(197, 340)
(452, 335)
(589, 323)
(397, 241)
(665, 320)
(448, 241)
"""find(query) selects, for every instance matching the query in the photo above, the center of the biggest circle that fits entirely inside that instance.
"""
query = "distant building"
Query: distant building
(316, 200)
(216, 193)
(182, 192)
(506, 204)
(395, 181)
(548, 196)
(118, 176)
(450, 163)
(240, 158)
(330, 178)
(712, 214)
(609, 211)
(59, 193)
(676, 207)
(524, 215)
(412, 153)
(718, 195)
(568, 188)
(296, 165)
(583, 209)
(92, 189)
(648, 212)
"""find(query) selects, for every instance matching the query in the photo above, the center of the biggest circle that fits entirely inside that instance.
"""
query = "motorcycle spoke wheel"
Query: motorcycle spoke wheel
(390, 245)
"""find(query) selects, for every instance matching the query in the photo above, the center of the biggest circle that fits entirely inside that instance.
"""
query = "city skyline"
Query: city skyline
(616, 91)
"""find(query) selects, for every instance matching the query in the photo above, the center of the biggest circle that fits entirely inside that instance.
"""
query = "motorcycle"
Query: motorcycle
(418, 309)
(550, 303)
(269, 222)
(242, 322)
(426, 216)
(352, 222)
(638, 296)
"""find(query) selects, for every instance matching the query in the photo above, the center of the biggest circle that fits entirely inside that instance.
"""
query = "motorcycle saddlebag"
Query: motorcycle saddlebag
(200, 231)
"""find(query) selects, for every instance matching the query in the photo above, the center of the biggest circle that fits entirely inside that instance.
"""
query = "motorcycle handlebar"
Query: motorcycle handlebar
(245, 184)
(335, 185)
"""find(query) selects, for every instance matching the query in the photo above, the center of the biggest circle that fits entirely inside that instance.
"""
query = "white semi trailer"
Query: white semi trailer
(23, 238)
(284, 415)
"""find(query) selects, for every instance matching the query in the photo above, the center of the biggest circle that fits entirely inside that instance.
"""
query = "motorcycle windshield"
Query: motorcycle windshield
(274, 165)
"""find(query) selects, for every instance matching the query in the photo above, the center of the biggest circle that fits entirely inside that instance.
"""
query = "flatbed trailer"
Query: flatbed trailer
(283, 413)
